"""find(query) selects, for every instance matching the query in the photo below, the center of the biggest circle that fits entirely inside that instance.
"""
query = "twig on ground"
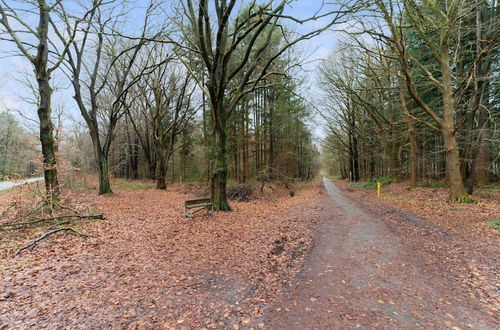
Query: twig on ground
(36, 240)
(55, 218)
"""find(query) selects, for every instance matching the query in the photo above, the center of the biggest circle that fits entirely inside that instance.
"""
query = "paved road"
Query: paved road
(362, 275)
(4, 185)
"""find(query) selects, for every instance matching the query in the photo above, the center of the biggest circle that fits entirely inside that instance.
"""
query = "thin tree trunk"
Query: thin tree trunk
(411, 134)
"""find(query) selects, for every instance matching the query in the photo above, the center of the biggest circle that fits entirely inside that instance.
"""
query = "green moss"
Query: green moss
(467, 199)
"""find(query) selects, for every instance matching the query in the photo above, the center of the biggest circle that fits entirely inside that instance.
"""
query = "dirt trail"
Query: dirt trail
(362, 275)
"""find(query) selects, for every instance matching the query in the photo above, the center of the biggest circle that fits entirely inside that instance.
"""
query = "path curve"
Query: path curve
(4, 185)
(360, 274)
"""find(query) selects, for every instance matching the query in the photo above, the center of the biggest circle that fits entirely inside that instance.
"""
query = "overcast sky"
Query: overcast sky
(14, 69)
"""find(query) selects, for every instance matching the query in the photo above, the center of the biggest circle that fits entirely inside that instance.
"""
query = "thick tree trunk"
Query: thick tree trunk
(101, 160)
(44, 107)
(219, 169)
(457, 188)
(161, 173)
(47, 137)
(104, 183)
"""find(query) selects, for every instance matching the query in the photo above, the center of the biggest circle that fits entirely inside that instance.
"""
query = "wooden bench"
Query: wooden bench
(199, 204)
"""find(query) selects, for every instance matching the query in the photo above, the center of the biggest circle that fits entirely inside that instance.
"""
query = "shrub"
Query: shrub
(240, 192)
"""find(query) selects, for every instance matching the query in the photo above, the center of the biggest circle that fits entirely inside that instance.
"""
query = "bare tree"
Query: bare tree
(230, 44)
(100, 67)
(35, 46)
(164, 106)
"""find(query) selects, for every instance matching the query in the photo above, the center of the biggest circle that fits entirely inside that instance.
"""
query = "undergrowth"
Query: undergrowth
(130, 186)
(494, 223)
(384, 181)
(432, 185)
(492, 186)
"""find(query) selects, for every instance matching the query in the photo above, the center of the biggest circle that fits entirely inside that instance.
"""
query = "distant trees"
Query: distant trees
(164, 107)
(17, 153)
(427, 65)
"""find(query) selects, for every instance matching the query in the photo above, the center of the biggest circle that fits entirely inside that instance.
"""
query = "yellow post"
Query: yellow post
(378, 189)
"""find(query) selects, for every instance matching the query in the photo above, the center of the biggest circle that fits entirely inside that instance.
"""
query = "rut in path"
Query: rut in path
(362, 275)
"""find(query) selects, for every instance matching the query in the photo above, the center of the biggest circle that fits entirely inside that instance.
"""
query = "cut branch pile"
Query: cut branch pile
(22, 217)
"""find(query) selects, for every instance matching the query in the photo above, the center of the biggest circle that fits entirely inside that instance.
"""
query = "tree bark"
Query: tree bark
(161, 173)
(219, 169)
(457, 188)
(44, 108)
(411, 135)
(104, 182)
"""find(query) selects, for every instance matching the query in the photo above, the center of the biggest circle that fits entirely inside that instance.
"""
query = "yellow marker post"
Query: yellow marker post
(378, 189)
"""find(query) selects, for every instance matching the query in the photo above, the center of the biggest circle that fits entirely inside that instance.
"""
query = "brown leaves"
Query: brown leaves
(150, 265)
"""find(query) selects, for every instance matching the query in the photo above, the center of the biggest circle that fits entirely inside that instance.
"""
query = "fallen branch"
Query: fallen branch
(77, 216)
(44, 236)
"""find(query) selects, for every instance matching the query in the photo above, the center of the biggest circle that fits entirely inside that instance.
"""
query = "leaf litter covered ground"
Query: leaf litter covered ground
(147, 266)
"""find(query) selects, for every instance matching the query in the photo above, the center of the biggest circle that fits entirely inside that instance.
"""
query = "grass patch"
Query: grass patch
(492, 186)
(129, 186)
(494, 223)
(384, 181)
(467, 199)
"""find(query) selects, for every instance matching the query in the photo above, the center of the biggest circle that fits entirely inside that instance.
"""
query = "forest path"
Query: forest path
(4, 185)
(363, 275)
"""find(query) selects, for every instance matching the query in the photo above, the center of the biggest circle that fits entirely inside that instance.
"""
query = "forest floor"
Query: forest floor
(339, 257)
(148, 266)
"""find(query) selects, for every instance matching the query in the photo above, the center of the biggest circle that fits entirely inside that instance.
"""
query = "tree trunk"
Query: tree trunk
(394, 155)
(482, 161)
(457, 188)
(47, 141)
(161, 173)
(413, 153)
(219, 169)
(104, 183)
(44, 108)
(412, 136)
